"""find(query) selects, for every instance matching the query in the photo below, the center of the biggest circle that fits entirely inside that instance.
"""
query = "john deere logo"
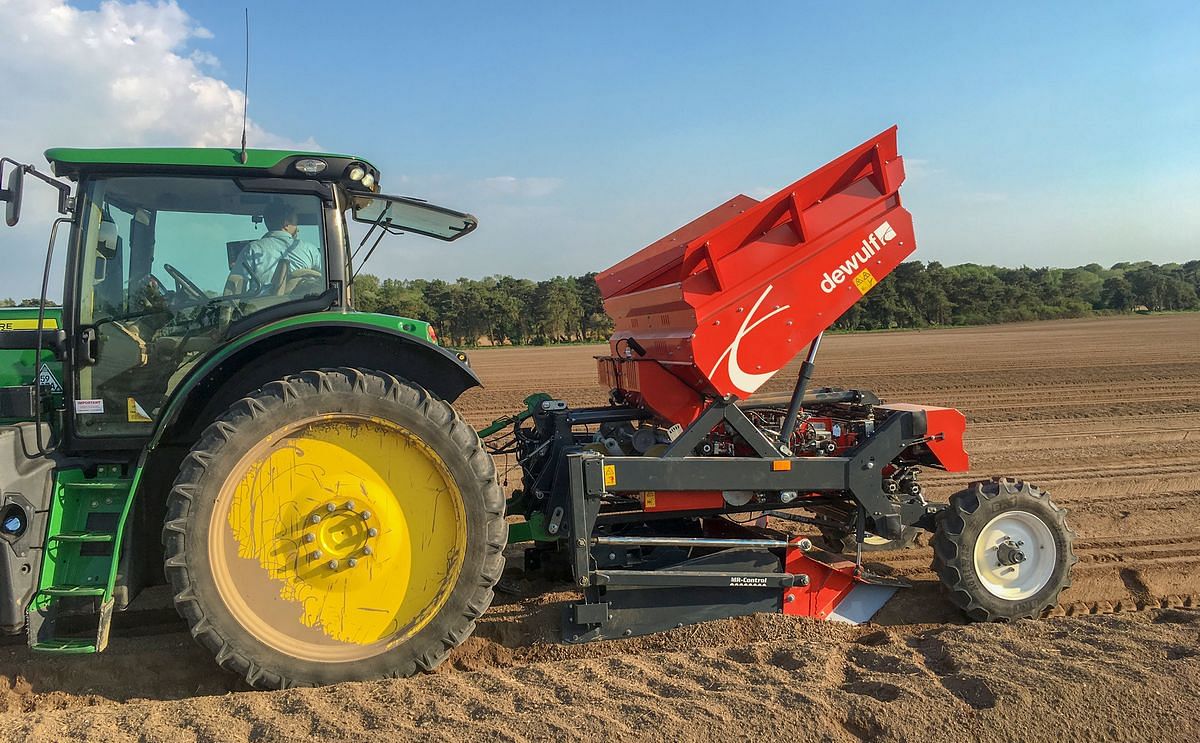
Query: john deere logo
(882, 235)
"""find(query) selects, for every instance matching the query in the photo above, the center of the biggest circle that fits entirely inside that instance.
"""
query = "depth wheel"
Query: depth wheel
(1003, 550)
(335, 525)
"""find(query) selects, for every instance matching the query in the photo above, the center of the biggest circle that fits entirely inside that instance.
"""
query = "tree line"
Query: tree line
(503, 309)
(918, 295)
(496, 309)
(567, 309)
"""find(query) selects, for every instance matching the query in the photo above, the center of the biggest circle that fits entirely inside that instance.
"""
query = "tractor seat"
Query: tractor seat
(287, 280)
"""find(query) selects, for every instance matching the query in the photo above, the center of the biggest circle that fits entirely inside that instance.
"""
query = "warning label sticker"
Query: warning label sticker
(89, 407)
(865, 281)
(136, 413)
(47, 379)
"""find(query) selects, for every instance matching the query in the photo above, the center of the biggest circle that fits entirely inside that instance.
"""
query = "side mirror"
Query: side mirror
(12, 195)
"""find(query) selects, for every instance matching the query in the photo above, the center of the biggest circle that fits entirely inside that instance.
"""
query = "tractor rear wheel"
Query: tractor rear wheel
(334, 525)
(1003, 550)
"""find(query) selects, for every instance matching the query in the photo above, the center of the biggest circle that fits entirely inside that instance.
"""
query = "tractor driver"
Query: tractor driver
(277, 262)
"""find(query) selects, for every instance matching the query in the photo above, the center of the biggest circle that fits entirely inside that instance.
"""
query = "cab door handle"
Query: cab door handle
(89, 346)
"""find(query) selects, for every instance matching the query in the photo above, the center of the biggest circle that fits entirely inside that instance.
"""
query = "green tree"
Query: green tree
(1117, 294)
(556, 311)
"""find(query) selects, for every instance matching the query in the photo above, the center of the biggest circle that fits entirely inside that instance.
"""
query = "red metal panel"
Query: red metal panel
(725, 302)
(828, 584)
(945, 428)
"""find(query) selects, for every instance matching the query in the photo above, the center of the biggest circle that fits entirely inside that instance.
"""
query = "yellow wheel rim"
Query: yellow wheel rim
(337, 538)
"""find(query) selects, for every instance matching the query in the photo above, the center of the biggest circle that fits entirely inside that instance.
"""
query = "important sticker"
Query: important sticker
(650, 501)
(865, 281)
(136, 413)
(89, 407)
(610, 475)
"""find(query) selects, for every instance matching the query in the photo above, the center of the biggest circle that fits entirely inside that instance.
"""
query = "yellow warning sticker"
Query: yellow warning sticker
(610, 475)
(864, 281)
(136, 413)
(48, 323)
(650, 501)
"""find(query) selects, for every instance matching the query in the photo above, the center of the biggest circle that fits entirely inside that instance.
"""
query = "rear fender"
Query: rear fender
(266, 354)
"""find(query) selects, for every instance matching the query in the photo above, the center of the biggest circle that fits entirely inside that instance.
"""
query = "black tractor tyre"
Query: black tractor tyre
(846, 543)
(363, 392)
(959, 528)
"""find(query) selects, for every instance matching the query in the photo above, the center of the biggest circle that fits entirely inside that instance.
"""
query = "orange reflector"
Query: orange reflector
(781, 465)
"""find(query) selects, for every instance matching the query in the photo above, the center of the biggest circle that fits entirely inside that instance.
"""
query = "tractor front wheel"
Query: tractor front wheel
(1003, 550)
(335, 525)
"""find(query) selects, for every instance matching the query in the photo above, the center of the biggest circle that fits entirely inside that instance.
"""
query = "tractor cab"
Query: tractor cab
(175, 252)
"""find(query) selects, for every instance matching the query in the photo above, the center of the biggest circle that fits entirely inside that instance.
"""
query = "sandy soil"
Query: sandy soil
(1105, 414)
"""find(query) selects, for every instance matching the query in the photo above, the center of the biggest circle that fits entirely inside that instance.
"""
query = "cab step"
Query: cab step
(90, 485)
(81, 536)
(72, 609)
(73, 590)
(72, 646)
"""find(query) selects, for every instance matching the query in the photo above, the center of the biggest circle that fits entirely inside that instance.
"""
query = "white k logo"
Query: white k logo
(743, 380)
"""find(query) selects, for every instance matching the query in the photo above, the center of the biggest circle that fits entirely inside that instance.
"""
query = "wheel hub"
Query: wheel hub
(1015, 555)
(1008, 552)
(343, 535)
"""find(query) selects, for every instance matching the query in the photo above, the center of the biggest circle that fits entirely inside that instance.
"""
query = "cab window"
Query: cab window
(167, 265)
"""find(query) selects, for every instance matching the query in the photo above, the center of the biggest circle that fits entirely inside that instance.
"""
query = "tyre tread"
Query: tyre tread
(286, 391)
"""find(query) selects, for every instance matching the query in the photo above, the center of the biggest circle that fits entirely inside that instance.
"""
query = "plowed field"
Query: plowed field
(1104, 414)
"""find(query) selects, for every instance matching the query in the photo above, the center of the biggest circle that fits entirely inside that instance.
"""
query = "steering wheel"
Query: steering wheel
(184, 284)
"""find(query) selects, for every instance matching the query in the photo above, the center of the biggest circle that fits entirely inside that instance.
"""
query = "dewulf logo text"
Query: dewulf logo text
(882, 235)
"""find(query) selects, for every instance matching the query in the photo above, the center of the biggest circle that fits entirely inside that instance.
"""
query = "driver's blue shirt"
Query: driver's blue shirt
(259, 260)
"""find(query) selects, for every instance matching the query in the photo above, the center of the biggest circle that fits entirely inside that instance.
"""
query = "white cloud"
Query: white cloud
(532, 187)
(120, 75)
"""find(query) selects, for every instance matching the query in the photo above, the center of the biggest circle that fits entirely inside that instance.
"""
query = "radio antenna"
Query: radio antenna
(246, 87)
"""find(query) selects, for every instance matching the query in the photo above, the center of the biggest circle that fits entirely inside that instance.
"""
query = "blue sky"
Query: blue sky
(578, 133)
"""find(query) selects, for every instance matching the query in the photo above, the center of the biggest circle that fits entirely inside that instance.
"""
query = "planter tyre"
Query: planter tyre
(1003, 550)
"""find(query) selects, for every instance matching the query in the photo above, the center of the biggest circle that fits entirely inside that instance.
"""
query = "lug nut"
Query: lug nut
(349, 505)
(352, 562)
(316, 555)
(333, 564)
(372, 532)
(367, 550)
(315, 518)
(309, 538)
(330, 507)
(366, 515)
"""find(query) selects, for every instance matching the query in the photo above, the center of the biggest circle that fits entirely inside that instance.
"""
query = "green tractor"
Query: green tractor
(207, 400)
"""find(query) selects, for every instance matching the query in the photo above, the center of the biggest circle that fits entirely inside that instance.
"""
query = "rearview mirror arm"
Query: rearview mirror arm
(65, 204)
(64, 189)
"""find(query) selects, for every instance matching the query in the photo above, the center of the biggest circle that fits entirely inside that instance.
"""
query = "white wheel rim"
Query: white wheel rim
(1032, 538)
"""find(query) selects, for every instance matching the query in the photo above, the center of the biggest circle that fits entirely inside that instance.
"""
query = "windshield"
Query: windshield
(167, 264)
(412, 215)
